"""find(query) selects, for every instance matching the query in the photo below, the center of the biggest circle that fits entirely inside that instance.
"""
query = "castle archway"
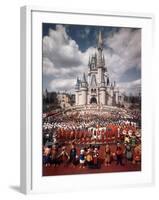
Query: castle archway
(93, 100)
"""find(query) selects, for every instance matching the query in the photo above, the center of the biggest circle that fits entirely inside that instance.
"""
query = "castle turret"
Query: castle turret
(93, 62)
(84, 89)
(89, 62)
(84, 83)
(77, 88)
(102, 84)
(45, 93)
(108, 82)
(116, 95)
(102, 90)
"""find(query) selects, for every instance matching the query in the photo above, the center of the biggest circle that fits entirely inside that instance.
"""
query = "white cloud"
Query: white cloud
(133, 87)
(60, 49)
(62, 84)
(123, 52)
(48, 67)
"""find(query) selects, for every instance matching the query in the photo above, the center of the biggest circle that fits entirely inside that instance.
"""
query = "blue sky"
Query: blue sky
(85, 36)
(66, 49)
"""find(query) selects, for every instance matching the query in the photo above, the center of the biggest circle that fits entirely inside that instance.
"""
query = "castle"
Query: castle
(97, 88)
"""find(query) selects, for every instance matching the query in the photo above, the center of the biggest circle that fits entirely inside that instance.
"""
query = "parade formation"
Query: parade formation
(92, 140)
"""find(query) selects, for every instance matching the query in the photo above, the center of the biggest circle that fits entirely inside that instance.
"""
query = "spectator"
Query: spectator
(73, 155)
(107, 155)
(82, 158)
(119, 154)
(63, 156)
(46, 156)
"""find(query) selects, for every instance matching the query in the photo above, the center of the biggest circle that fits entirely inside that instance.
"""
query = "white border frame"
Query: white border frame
(31, 181)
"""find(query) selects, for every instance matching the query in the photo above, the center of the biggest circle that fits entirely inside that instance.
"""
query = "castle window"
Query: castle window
(93, 90)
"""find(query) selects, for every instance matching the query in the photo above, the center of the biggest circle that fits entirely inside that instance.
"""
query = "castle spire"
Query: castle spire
(77, 86)
(84, 78)
(100, 58)
(103, 59)
(100, 41)
(89, 61)
(108, 82)
(84, 81)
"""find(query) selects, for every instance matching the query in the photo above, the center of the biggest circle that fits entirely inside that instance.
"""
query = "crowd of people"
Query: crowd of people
(91, 127)
(75, 138)
(91, 156)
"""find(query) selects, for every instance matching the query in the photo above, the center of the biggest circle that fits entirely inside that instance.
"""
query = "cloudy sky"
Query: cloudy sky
(66, 49)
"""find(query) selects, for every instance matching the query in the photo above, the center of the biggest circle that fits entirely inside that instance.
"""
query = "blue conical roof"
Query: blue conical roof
(84, 78)
(84, 81)
(77, 86)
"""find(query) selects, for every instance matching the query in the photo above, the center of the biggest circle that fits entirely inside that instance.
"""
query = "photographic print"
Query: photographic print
(91, 81)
